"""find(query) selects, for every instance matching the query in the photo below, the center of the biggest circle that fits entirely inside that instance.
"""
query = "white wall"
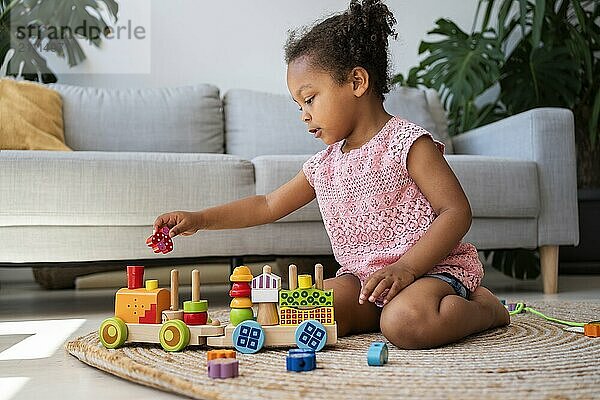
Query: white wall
(234, 43)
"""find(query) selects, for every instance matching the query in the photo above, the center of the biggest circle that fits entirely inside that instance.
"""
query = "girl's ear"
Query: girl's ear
(359, 77)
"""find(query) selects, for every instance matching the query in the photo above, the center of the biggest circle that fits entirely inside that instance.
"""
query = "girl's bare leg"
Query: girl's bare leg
(352, 317)
(428, 314)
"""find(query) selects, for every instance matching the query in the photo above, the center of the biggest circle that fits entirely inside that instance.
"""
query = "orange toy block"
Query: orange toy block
(213, 354)
(592, 329)
(141, 306)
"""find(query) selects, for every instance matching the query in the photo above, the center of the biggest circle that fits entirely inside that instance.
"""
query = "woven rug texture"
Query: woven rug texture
(529, 359)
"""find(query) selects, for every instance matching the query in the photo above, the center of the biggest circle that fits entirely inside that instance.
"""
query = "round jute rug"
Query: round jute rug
(530, 359)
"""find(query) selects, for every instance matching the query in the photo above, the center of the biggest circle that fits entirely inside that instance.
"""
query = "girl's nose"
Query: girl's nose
(305, 116)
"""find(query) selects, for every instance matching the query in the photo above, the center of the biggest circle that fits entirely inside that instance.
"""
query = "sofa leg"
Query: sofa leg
(549, 263)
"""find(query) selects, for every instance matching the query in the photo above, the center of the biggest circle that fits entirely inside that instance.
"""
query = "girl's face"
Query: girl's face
(327, 107)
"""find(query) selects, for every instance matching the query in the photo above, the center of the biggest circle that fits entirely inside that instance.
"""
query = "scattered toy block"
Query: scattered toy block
(592, 329)
(300, 361)
(160, 241)
(223, 368)
(214, 354)
(377, 355)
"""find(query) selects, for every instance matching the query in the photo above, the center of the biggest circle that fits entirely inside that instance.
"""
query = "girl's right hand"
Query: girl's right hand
(183, 223)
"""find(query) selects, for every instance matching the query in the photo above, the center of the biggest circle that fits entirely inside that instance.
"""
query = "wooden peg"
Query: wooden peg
(267, 269)
(195, 285)
(174, 290)
(267, 314)
(292, 277)
(319, 276)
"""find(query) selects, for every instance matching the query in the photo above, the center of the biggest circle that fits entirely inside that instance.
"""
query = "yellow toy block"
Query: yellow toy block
(141, 306)
(294, 316)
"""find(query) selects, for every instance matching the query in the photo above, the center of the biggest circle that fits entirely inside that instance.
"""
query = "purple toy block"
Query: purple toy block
(223, 368)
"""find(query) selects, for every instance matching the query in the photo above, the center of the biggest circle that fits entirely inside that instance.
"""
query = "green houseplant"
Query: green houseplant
(520, 54)
(29, 28)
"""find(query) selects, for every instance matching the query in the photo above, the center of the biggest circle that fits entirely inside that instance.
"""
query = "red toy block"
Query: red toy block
(160, 241)
(198, 318)
(240, 289)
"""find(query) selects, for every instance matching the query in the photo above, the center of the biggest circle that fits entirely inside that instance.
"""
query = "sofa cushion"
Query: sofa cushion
(259, 123)
(175, 120)
(115, 188)
(495, 187)
(31, 117)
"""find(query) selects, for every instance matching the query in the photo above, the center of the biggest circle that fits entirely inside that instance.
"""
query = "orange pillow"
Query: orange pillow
(30, 117)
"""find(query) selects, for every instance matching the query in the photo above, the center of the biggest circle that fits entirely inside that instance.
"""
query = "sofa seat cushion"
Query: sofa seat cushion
(495, 187)
(172, 120)
(115, 189)
(498, 187)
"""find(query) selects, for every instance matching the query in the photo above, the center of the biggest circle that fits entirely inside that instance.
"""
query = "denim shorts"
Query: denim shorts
(457, 285)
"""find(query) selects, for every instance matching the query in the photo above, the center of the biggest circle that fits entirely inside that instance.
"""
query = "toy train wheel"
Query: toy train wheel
(311, 334)
(174, 335)
(248, 337)
(113, 332)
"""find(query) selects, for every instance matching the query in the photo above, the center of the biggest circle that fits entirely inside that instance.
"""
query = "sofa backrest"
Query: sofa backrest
(177, 120)
(259, 123)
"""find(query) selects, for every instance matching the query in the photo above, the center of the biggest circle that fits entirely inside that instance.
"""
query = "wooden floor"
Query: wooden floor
(34, 324)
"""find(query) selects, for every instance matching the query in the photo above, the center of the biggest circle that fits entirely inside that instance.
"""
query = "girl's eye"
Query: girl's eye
(309, 100)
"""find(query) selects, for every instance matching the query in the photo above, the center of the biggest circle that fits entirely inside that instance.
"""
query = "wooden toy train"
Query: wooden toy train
(303, 315)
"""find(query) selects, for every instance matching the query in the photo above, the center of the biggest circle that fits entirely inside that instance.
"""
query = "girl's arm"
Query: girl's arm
(434, 177)
(243, 213)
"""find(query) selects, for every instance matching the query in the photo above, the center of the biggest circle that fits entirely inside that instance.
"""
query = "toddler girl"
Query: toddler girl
(392, 207)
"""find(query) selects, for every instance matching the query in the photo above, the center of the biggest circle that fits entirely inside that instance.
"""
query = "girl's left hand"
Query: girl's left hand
(394, 277)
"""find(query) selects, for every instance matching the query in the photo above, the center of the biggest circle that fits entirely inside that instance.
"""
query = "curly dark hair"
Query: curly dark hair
(358, 37)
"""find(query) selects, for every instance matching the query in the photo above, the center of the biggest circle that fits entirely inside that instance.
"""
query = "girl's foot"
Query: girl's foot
(500, 314)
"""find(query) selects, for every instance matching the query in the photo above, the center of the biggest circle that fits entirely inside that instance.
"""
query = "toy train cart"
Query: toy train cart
(302, 315)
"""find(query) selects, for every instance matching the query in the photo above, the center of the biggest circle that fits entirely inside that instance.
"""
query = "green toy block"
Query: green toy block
(306, 298)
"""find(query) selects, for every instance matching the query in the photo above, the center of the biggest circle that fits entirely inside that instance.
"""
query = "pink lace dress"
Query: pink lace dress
(373, 211)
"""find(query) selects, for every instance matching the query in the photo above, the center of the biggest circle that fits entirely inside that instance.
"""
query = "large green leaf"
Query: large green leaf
(460, 66)
(539, 77)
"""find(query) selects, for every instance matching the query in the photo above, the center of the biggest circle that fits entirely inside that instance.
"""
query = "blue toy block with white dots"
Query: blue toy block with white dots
(377, 354)
(299, 360)
(248, 337)
(311, 334)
